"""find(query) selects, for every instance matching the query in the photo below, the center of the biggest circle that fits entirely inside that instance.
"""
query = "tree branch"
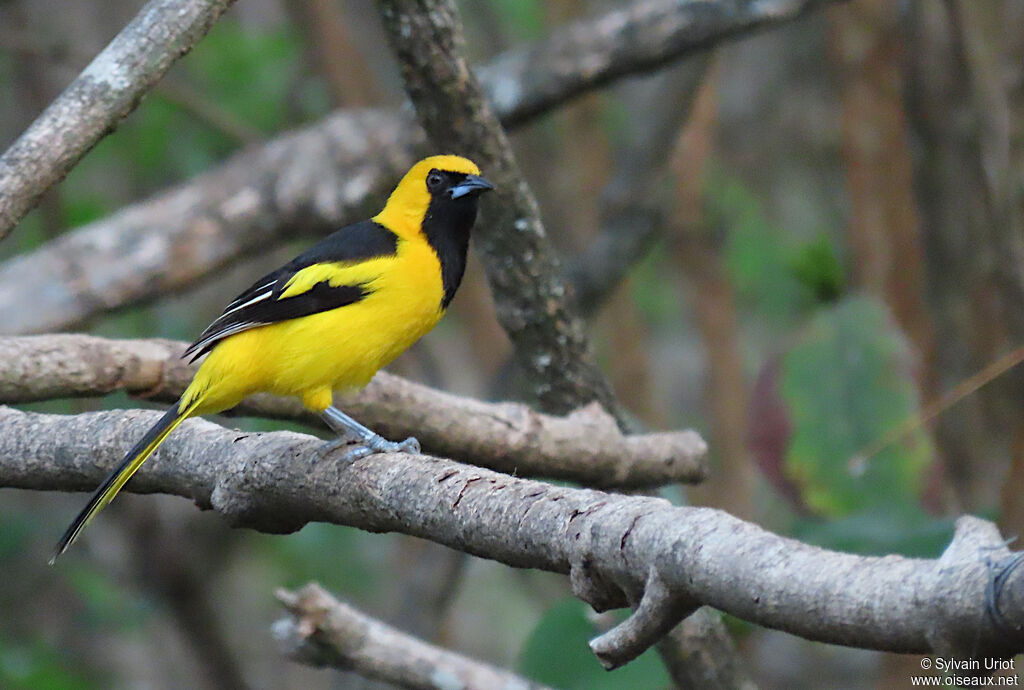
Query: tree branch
(323, 631)
(308, 181)
(585, 446)
(525, 279)
(639, 37)
(316, 179)
(617, 549)
(102, 95)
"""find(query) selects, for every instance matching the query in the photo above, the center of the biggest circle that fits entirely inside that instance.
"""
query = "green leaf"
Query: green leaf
(846, 383)
(251, 73)
(37, 667)
(881, 530)
(106, 604)
(557, 654)
(756, 256)
(817, 268)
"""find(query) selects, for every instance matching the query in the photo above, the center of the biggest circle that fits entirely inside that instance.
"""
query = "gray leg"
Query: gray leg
(350, 430)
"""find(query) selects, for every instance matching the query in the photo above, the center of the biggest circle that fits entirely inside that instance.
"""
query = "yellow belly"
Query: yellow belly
(333, 350)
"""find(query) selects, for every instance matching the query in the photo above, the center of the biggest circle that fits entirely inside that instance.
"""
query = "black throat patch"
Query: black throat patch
(447, 226)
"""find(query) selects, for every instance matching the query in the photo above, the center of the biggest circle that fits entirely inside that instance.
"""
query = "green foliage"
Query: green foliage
(881, 530)
(252, 74)
(37, 667)
(105, 603)
(557, 654)
(756, 258)
(817, 268)
(523, 19)
(16, 532)
(846, 383)
(652, 288)
(84, 208)
(341, 559)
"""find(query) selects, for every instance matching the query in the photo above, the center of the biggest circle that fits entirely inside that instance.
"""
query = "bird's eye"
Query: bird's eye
(434, 180)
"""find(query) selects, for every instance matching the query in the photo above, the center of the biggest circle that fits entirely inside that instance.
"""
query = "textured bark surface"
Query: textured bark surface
(529, 291)
(585, 446)
(102, 95)
(618, 550)
(264, 196)
(326, 632)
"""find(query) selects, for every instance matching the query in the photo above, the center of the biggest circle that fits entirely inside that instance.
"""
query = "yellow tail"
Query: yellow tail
(106, 491)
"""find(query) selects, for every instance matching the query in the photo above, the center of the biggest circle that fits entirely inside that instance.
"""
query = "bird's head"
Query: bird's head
(437, 190)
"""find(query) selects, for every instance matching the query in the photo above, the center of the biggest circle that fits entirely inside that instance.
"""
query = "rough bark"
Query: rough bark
(103, 94)
(585, 446)
(618, 550)
(530, 294)
(530, 298)
(323, 631)
(264, 196)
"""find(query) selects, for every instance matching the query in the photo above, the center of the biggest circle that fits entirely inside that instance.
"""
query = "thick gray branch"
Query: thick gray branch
(639, 37)
(102, 95)
(585, 446)
(530, 294)
(304, 182)
(334, 172)
(323, 631)
(617, 549)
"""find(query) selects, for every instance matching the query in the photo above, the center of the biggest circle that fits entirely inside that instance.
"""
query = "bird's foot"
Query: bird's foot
(369, 446)
(379, 444)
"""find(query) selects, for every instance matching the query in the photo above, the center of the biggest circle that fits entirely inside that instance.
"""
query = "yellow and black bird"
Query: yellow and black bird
(331, 317)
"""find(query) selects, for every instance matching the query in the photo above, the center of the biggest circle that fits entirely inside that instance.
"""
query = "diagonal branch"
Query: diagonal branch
(617, 549)
(530, 295)
(102, 95)
(318, 178)
(323, 631)
(585, 446)
(638, 37)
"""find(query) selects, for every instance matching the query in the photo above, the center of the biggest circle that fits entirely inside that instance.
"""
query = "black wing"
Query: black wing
(260, 304)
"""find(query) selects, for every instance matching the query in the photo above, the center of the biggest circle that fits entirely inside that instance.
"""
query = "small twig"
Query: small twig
(102, 95)
(657, 612)
(323, 631)
(941, 404)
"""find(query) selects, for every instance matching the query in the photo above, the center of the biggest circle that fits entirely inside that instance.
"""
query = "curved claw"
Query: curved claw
(379, 444)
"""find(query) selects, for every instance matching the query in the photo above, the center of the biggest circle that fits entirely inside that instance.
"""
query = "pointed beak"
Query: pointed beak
(471, 186)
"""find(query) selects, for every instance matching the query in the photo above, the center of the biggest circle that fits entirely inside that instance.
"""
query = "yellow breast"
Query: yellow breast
(338, 349)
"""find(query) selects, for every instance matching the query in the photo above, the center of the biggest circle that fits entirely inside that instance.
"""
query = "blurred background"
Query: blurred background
(831, 224)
